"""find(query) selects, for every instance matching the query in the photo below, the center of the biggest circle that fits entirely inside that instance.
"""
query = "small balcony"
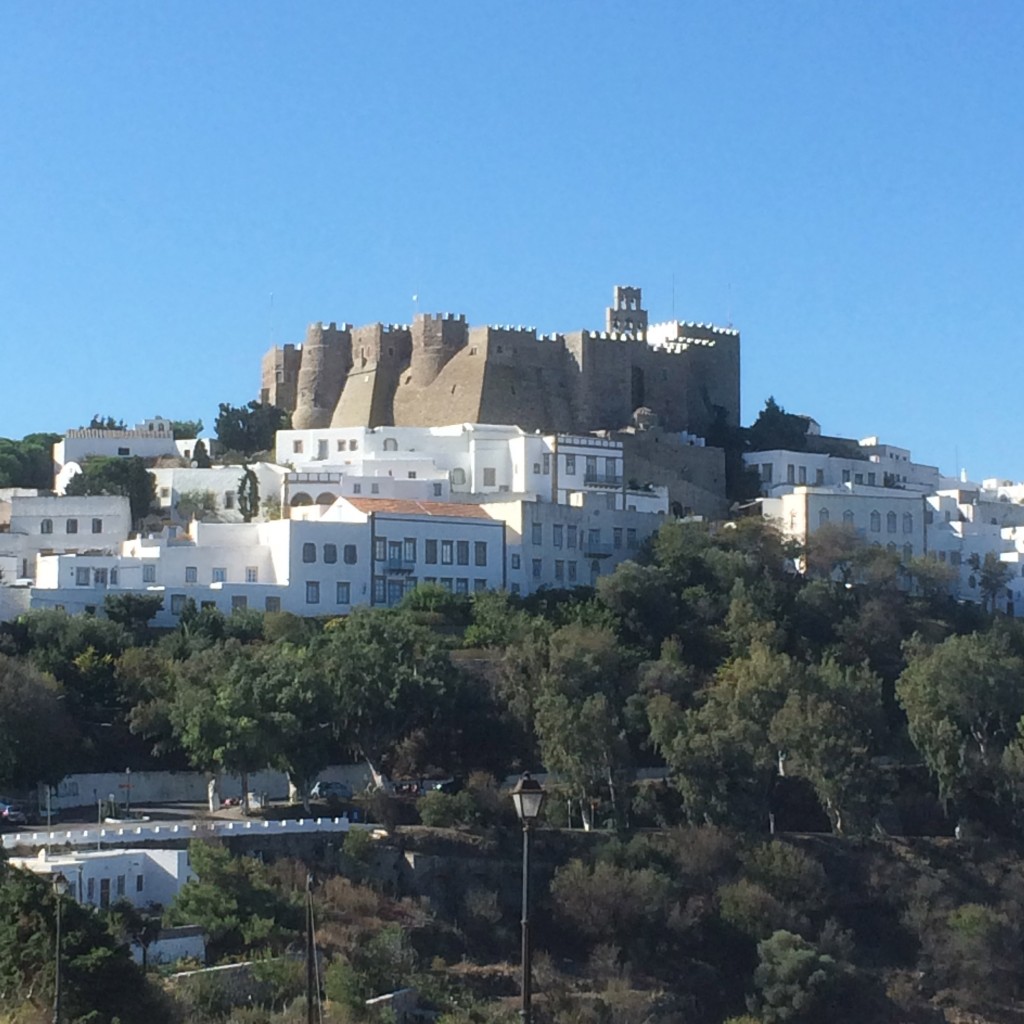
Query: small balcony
(602, 480)
(596, 549)
(403, 566)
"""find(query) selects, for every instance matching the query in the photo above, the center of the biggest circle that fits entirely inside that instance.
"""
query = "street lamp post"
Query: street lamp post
(60, 886)
(528, 797)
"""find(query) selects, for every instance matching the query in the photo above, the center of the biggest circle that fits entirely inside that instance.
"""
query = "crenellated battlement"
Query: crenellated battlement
(440, 317)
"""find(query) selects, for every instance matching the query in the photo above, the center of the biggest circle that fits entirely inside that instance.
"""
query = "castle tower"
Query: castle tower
(326, 359)
(626, 314)
(435, 339)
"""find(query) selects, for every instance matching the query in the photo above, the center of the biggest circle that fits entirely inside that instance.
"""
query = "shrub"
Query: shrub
(795, 982)
(751, 909)
(788, 873)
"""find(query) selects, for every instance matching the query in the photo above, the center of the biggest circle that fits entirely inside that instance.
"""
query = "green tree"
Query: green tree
(38, 738)
(200, 455)
(963, 700)
(28, 462)
(197, 504)
(185, 430)
(249, 495)
(795, 982)
(133, 611)
(99, 422)
(775, 428)
(127, 477)
(249, 428)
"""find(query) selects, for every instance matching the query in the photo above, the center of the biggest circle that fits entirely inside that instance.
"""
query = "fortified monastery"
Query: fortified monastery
(441, 370)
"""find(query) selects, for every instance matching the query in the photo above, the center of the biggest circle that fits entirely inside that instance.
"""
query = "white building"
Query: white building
(222, 482)
(149, 440)
(883, 466)
(98, 878)
(32, 525)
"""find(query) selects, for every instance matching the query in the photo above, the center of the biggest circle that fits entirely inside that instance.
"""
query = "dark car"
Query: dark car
(331, 791)
(12, 813)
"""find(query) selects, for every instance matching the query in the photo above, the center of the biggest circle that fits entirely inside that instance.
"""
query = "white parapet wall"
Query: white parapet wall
(156, 832)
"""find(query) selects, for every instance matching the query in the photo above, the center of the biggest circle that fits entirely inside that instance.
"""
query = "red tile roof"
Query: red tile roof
(403, 506)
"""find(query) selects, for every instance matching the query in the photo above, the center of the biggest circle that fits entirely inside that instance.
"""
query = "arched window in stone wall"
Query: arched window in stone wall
(822, 516)
(876, 521)
(908, 522)
(390, 444)
(46, 526)
(908, 552)
(325, 499)
(302, 498)
(890, 522)
(891, 548)
(847, 518)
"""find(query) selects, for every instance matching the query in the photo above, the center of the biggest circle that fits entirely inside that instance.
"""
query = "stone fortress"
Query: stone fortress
(440, 370)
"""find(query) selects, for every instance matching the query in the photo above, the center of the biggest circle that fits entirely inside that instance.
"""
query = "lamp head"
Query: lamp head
(528, 797)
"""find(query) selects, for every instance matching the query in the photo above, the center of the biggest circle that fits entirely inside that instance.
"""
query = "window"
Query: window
(516, 561)
(82, 576)
(139, 883)
(272, 604)
(252, 574)
(447, 553)
(430, 552)
(321, 449)
(390, 444)
(120, 885)
(380, 590)
(546, 462)
(219, 575)
(890, 522)
(802, 475)
(375, 488)
(556, 535)
(537, 568)
(908, 522)
(954, 557)
(790, 474)
(515, 588)
(409, 549)
(593, 538)
(572, 572)
(90, 890)
(113, 576)
(489, 476)
(71, 526)
(461, 586)
(479, 585)
(99, 577)
(766, 472)
(412, 474)
(876, 522)
(395, 552)
(380, 549)
(846, 476)
(847, 518)
(149, 574)
(570, 537)
(312, 592)
(438, 490)
(349, 554)
(819, 477)
(97, 526)
(480, 552)
(229, 499)
(309, 552)
(458, 476)
(46, 526)
(631, 537)
(570, 465)
(871, 479)
(446, 583)
(858, 478)
(177, 604)
(239, 602)
(822, 516)
(559, 569)
(344, 593)
(191, 574)
(538, 533)
(353, 445)
(124, 451)
(357, 488)
(617, 537)
(296, 447)
(891, 548)
(330, 553)
(462, 552)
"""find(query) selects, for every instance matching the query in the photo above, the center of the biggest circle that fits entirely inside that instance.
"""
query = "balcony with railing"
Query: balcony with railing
(596, 549)
(400, 565)
(592, 478)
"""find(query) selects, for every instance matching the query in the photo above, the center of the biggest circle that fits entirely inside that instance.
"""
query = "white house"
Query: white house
(149, 440)
(222, 482)
(98, 878)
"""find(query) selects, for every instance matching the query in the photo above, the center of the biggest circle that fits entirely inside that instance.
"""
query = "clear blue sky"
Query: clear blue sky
(183, 184)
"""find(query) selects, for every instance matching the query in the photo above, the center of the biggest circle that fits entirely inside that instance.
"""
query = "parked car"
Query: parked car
(331, 791)
(12, 813)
